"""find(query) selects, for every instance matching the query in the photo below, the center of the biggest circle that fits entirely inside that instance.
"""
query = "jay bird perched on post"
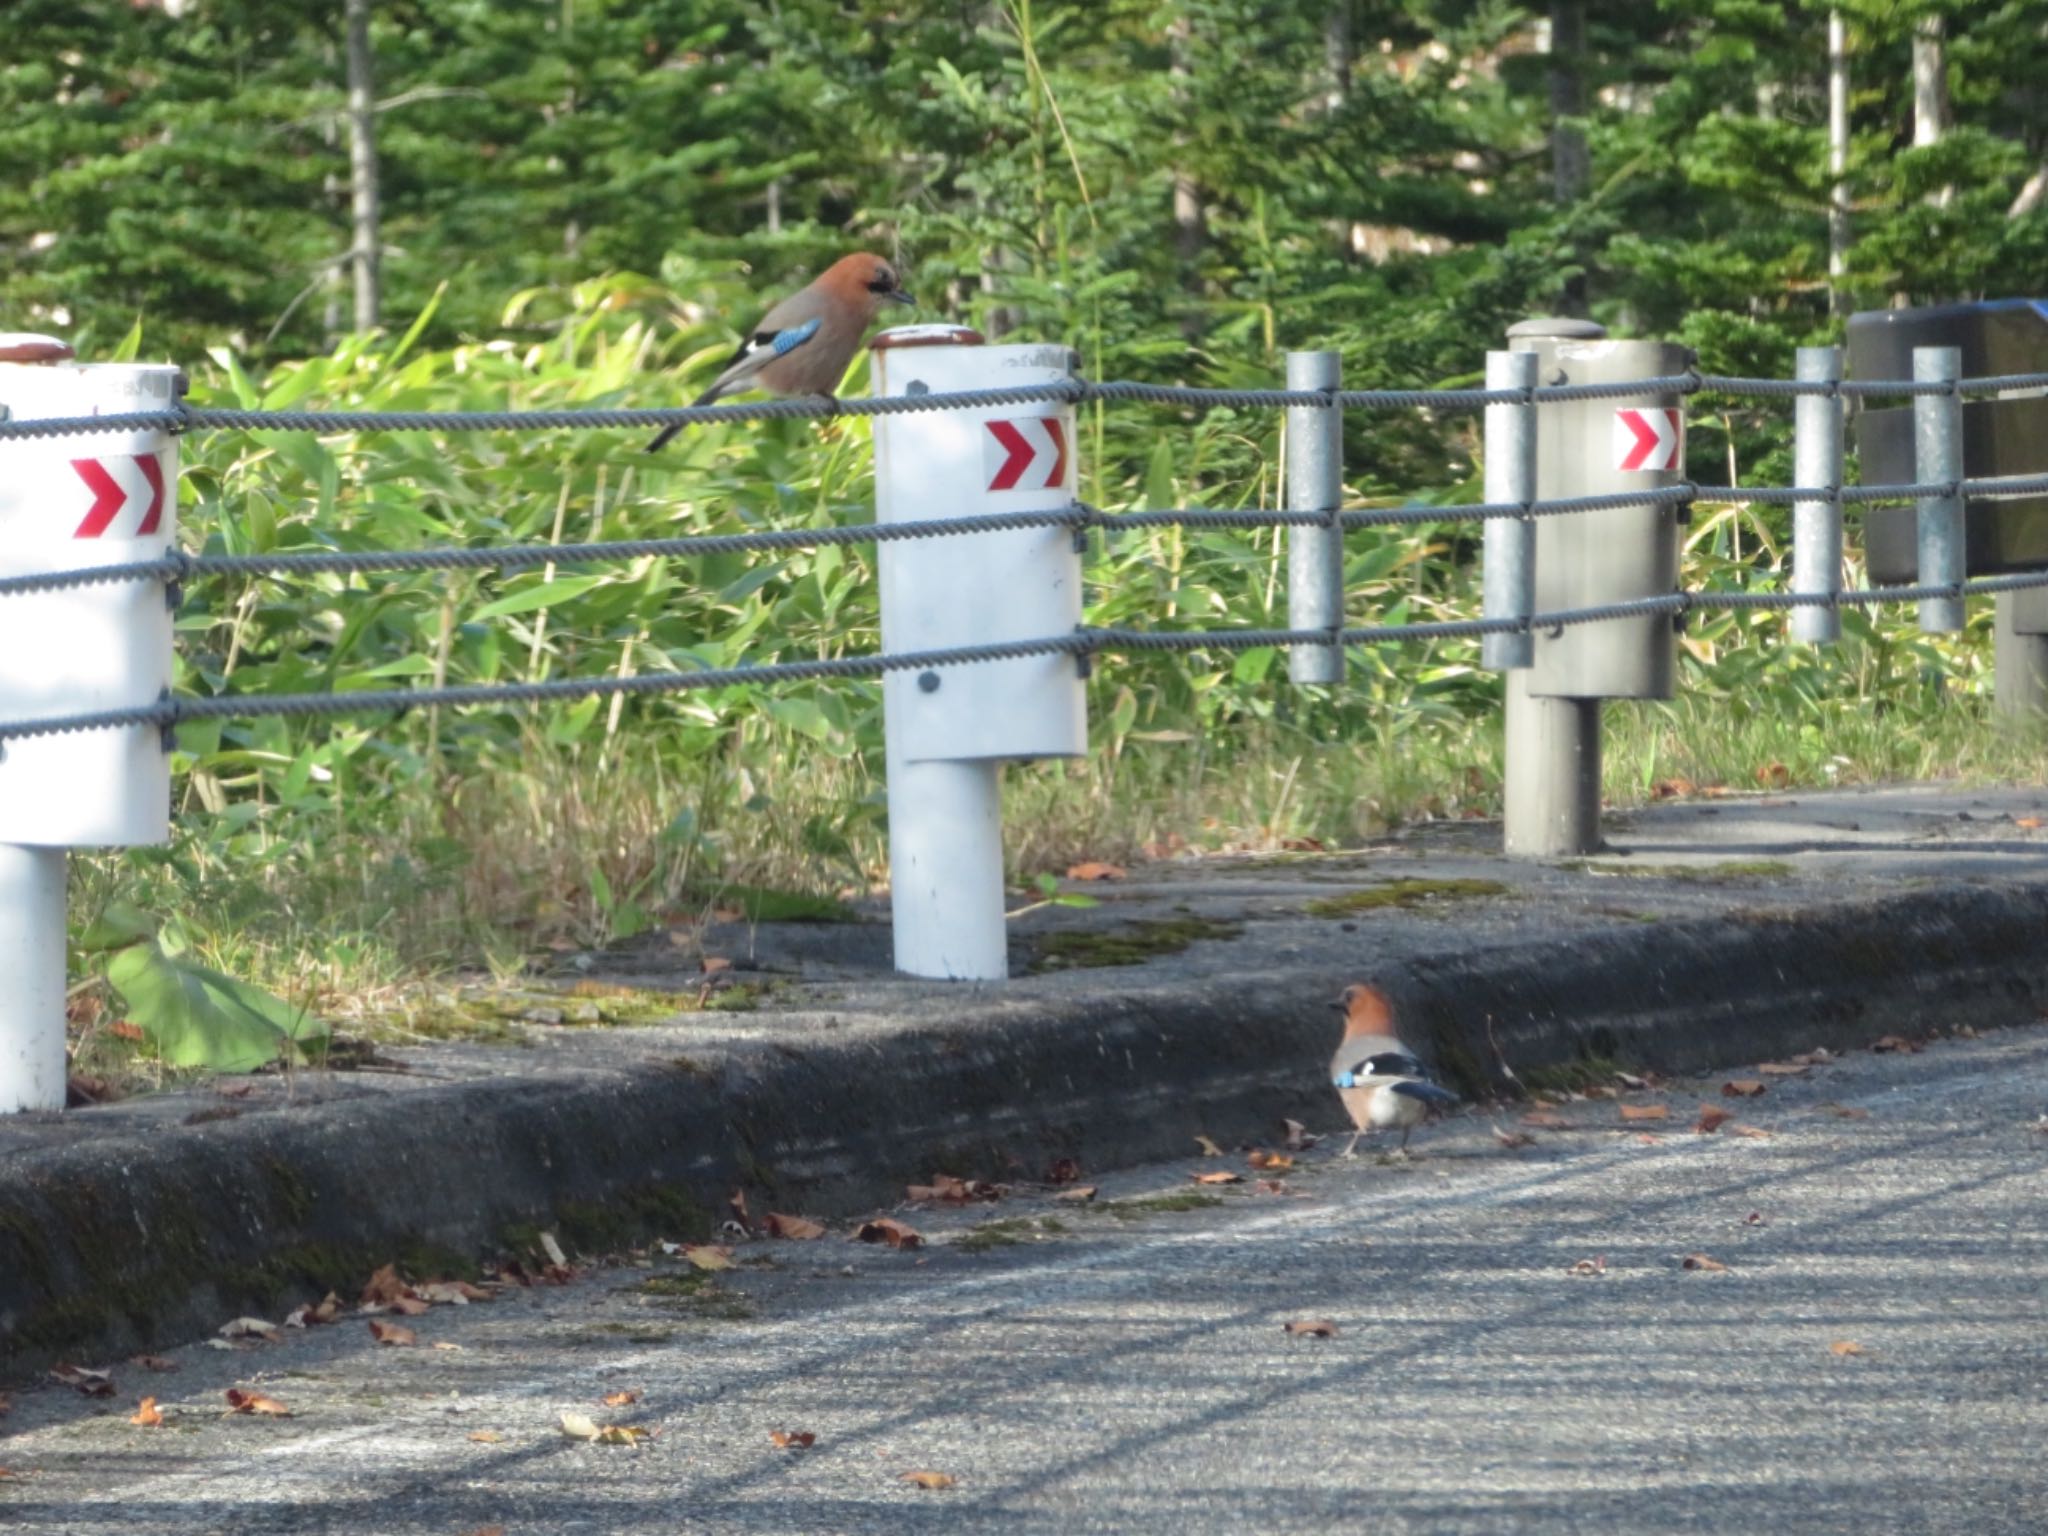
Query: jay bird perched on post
(1383, 1084)
(803, 344)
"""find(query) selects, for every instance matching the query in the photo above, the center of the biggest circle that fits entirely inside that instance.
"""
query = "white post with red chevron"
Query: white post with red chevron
(949, 730)
(67, 504)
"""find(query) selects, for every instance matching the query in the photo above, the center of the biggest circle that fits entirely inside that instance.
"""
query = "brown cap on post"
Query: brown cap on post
(25, 347)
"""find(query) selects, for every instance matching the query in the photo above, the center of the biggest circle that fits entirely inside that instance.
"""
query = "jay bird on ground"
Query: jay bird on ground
(803, 344)
(1382, 1082)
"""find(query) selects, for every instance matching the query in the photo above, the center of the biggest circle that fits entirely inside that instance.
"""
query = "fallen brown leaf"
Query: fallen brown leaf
(1774, 775)
(456, 1293)
(580, 1426)
(443, 1344)
(2027, 823)
(1895, 1043)
(411, 1306)
(1701, 1261)
(391, 1333)
(1647, 1139)
(1742, 1088)
(796, 1228)
(707, 1256)
(1220, 1176)
(255, 1402)
(1298, 1137)
(1712, 1118)
(307, 1314)
(1755, 1219)
(1782, 1069)
(1645, 1111)
(1848, 1347)
(886, 1229)
(1315, 1328)
(250, 1328)
(1209, 1148)
(1671, 789)
(953, 1190)
(1819, 1056)
(1095, 869)
(148, 1363)
(1272, 1161)
(1513, 1139)
(623, 1398)
(1080, 1194)
(91, 1383)
(932, 1481)
(1544, 1120)
(1754, 1133)
(486, 1437)
(148, 1415)
(384, 1287)
(1064, 1170)
(1597, 1265)
(792, 1439)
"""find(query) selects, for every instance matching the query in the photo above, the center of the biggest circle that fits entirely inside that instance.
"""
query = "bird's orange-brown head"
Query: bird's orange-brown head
(865, 282)
(1367, 1011)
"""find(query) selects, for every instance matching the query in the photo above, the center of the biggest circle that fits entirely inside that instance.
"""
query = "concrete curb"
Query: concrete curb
(130, 1241)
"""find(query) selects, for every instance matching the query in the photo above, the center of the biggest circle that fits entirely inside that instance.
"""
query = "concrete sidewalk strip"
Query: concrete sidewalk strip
(1712, 933)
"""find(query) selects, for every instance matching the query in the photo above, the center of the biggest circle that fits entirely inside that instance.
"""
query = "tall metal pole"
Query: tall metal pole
(1315, 483)
(1938, 460)
(1817, 524)
(32, 964)
(1509, 567)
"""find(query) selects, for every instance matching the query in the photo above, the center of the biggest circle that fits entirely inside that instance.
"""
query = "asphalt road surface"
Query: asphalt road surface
(1519, 1347)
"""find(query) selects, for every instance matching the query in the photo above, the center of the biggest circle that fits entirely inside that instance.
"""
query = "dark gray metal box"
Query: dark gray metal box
(2003, 436)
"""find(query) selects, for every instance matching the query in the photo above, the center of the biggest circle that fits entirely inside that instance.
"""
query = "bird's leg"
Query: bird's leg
(1351, 1147)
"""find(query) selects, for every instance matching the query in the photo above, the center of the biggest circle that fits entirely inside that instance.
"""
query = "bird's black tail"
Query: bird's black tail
(661, 438)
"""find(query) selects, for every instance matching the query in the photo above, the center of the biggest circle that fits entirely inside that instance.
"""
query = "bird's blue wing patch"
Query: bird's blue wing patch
(1345, 1080)
(1429, 1093)
(788, 341)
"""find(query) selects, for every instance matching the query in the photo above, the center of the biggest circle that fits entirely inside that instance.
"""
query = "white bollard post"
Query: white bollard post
(68, 503)
(1817, 525)
(950, 730)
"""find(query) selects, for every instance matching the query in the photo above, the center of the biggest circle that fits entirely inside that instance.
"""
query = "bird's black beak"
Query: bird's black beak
(898, 296)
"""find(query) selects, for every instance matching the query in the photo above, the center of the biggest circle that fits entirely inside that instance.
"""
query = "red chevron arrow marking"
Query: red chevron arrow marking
(110, 498)
(1020, 452)
(107, 498)
(152, 471)
(1058, 434)
(1651, 441)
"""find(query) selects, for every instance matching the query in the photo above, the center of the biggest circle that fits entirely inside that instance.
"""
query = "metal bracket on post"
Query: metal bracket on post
(1938, 460)
(1509, 560)
(1315, 483)
(947, 735)
(1817, 524)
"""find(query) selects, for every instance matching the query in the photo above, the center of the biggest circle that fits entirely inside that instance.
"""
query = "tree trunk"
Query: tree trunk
(1930, 90)
(364, 243)
(1838, 164)
(1188, 233)
(1571, 163)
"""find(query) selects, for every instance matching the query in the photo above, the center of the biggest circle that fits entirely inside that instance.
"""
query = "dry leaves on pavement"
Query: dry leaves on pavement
(251, 1328)
(147, 1362)
(1314, 1328)
(946, 1188)
(1080, 1194)
(886, 1229)
(1272, 1162)
(1848, 1347)
(1095, 869)
(1701, 1262)
(1209, 1148)
(1597, 1265)
(391, 1333)
(792, 1439)
(240, 1401)
(1712, 1118)
(307, 1314)
(625, 1397)
(579, 1426)
(91, 1383)
(1219, 1176)
(796, 1228)
(1513, 1139)
(1638, 1112)
(148, 1415)
(1742, 1088)
(932, 1481)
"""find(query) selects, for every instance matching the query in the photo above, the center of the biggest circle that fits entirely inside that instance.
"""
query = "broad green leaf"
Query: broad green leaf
(545, 595)
(196, 1017)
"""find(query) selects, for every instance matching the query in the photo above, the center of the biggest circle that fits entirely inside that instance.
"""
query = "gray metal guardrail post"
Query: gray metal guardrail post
(1315, 483)
(1632, 442)
(1938, 460)
(1817, 525)
(1509, 558)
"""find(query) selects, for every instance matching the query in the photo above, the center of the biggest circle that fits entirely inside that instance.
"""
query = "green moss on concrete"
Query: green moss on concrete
(629, 1217)
(1130, 943)
(695, 1293)
(1138, 1207)
(760, 904)
(1008, 1232)
(1727, 872)
(1572, 1076)
(1404, 893)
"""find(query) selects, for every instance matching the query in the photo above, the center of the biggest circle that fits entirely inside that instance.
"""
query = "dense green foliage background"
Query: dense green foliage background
(582, 200)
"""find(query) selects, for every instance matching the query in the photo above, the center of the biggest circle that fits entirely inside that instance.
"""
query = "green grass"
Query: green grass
(1403, 893)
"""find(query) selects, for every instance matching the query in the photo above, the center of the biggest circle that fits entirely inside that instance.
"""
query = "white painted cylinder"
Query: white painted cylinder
(31, 978)
(950, 729)
(101, 498)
